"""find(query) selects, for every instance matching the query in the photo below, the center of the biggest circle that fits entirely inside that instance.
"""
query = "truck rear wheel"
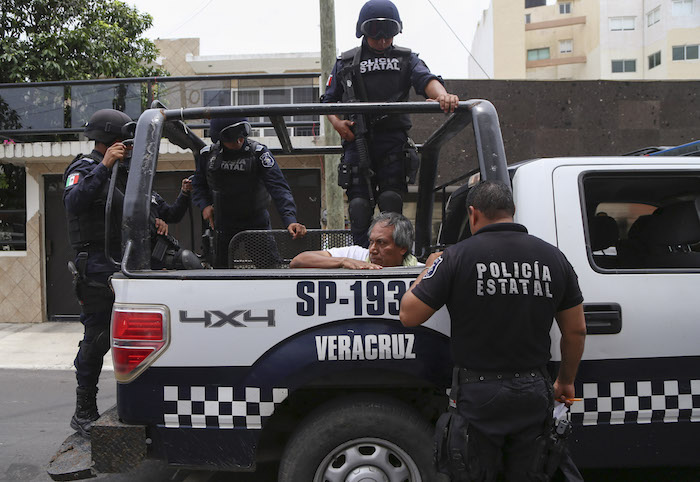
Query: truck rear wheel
(363, 438)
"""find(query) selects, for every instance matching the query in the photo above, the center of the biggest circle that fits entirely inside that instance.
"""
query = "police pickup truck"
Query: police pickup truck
(222, 369)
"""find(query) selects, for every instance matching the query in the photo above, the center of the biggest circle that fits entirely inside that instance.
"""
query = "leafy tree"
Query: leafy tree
(43, 40)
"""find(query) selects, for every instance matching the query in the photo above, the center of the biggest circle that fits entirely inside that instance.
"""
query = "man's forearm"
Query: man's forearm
(315, 260)
(571, 347)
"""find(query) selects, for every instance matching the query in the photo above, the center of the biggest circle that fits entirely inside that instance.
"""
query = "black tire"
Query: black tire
(360, 438)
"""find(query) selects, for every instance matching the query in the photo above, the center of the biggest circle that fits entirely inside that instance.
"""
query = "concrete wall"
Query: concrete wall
(573, 118)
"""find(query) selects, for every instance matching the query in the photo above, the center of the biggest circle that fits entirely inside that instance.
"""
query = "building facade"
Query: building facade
(588, 40)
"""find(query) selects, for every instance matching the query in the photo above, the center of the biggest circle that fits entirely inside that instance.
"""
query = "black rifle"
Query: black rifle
(360, 131)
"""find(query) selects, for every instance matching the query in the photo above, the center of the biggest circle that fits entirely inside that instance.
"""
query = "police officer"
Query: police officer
(502, 288)
(234, 179)
(86, 186)
(379, 72)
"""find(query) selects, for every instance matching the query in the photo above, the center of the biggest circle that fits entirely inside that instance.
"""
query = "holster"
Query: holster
(411, 161)
(450, 448)
(551, 446)
(92, 295)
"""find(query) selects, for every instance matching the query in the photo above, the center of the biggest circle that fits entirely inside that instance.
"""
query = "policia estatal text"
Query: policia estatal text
(378, 157)
(502, 288)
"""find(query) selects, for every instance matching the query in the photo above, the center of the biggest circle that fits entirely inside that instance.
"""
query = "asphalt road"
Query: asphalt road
(36, 406)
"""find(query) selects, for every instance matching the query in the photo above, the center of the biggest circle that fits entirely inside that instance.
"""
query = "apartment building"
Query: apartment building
(588, 40)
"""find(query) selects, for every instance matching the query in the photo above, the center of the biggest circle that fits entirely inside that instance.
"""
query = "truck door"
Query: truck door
(632, 232)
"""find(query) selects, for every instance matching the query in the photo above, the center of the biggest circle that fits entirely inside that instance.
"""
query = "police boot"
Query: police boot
(85, 411)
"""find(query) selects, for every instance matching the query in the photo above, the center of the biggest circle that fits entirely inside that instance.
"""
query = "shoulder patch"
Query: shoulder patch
(259, 148)
(433, 269)
(267, 160)
(205, 149)
(72, 179)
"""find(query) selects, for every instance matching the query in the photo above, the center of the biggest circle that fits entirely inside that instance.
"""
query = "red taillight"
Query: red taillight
(138, 336)
(136, 325)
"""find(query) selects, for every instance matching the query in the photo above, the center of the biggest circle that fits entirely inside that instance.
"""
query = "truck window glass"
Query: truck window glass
(643, 220)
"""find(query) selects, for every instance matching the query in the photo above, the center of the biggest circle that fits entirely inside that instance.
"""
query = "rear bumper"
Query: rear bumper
(113, 447)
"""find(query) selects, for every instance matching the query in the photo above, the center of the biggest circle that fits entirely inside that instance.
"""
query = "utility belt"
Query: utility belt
(351, 175)
(466, 375)
(93, 296)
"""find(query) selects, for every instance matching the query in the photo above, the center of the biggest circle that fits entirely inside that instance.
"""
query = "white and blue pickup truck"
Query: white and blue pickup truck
(224, 368)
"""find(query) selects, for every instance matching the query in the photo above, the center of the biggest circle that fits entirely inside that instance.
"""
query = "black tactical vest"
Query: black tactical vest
(384, 77)
(234, 178)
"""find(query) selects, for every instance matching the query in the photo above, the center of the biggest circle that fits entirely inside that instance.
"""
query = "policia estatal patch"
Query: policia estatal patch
(267, 160)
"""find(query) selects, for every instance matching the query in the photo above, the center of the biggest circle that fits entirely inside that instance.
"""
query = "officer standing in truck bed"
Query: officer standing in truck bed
(378, 71)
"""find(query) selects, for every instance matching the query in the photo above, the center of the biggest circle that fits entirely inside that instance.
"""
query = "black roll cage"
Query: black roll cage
(481, 113)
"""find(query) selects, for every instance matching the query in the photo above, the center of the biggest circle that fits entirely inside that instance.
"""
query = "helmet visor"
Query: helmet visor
(128, 130)
(380, 28)
(234, 132)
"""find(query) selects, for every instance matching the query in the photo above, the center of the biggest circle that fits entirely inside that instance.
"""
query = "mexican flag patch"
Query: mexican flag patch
(72, 179)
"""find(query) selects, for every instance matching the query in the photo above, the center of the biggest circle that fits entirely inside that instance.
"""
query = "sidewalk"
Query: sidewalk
(42, 346)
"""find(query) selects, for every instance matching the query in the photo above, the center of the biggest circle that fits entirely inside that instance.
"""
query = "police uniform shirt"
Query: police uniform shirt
(85, 183)
(502, 288)
(170, 213)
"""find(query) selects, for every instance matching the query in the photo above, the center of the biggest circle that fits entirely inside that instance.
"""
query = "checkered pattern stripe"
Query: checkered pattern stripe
(666, 401)
(219, 407)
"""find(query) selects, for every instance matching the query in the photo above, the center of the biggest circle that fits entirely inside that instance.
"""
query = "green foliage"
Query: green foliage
(43, 40)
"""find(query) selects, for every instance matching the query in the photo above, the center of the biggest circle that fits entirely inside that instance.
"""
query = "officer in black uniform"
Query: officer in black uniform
(379, 72)
(234, 179)
(502, 288)
(86, 186)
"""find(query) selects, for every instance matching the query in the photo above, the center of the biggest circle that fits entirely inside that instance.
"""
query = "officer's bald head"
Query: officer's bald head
(494, 199)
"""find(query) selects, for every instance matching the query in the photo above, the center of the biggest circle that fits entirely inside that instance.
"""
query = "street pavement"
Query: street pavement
(37, 399)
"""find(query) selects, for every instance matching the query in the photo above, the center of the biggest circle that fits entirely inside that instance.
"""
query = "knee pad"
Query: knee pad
(390, 201)
(360, 212)
(96, 341)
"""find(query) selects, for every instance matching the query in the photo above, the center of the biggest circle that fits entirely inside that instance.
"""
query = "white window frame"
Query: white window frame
(685, 52)
(566, 46)
(538, 51)
(619, 24)
(263, 131)
(624, 65)
(564, 8)
(654, 16)
(681, 8)
(653, 56)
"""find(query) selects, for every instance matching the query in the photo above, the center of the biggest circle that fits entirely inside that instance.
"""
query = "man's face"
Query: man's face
(382, 248)
(234, 146)
(379, 44)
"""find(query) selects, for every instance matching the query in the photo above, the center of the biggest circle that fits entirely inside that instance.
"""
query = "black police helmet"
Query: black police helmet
(229, 129)
(109, 125)
(379, 18)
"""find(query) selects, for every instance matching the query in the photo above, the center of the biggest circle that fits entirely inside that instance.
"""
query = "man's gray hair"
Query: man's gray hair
(493, 198)
(403, 229)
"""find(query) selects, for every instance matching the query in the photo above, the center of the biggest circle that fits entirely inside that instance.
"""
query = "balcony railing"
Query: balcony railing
(58, 111)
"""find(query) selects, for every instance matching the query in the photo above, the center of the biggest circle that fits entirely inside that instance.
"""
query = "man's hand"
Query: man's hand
(297, 230)
(186, 185)
(208, 215)
(349, 263)
(161, 226)
(431, 259)
(564, 392)
(343, 127)
(448, 102)
(115, 152)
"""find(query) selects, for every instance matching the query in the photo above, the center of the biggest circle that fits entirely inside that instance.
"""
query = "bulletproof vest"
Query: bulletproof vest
(88, 228)
(384, 77)
(235, 180)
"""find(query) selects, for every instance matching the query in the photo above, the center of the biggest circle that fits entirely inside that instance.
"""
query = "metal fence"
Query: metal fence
(57, 111)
